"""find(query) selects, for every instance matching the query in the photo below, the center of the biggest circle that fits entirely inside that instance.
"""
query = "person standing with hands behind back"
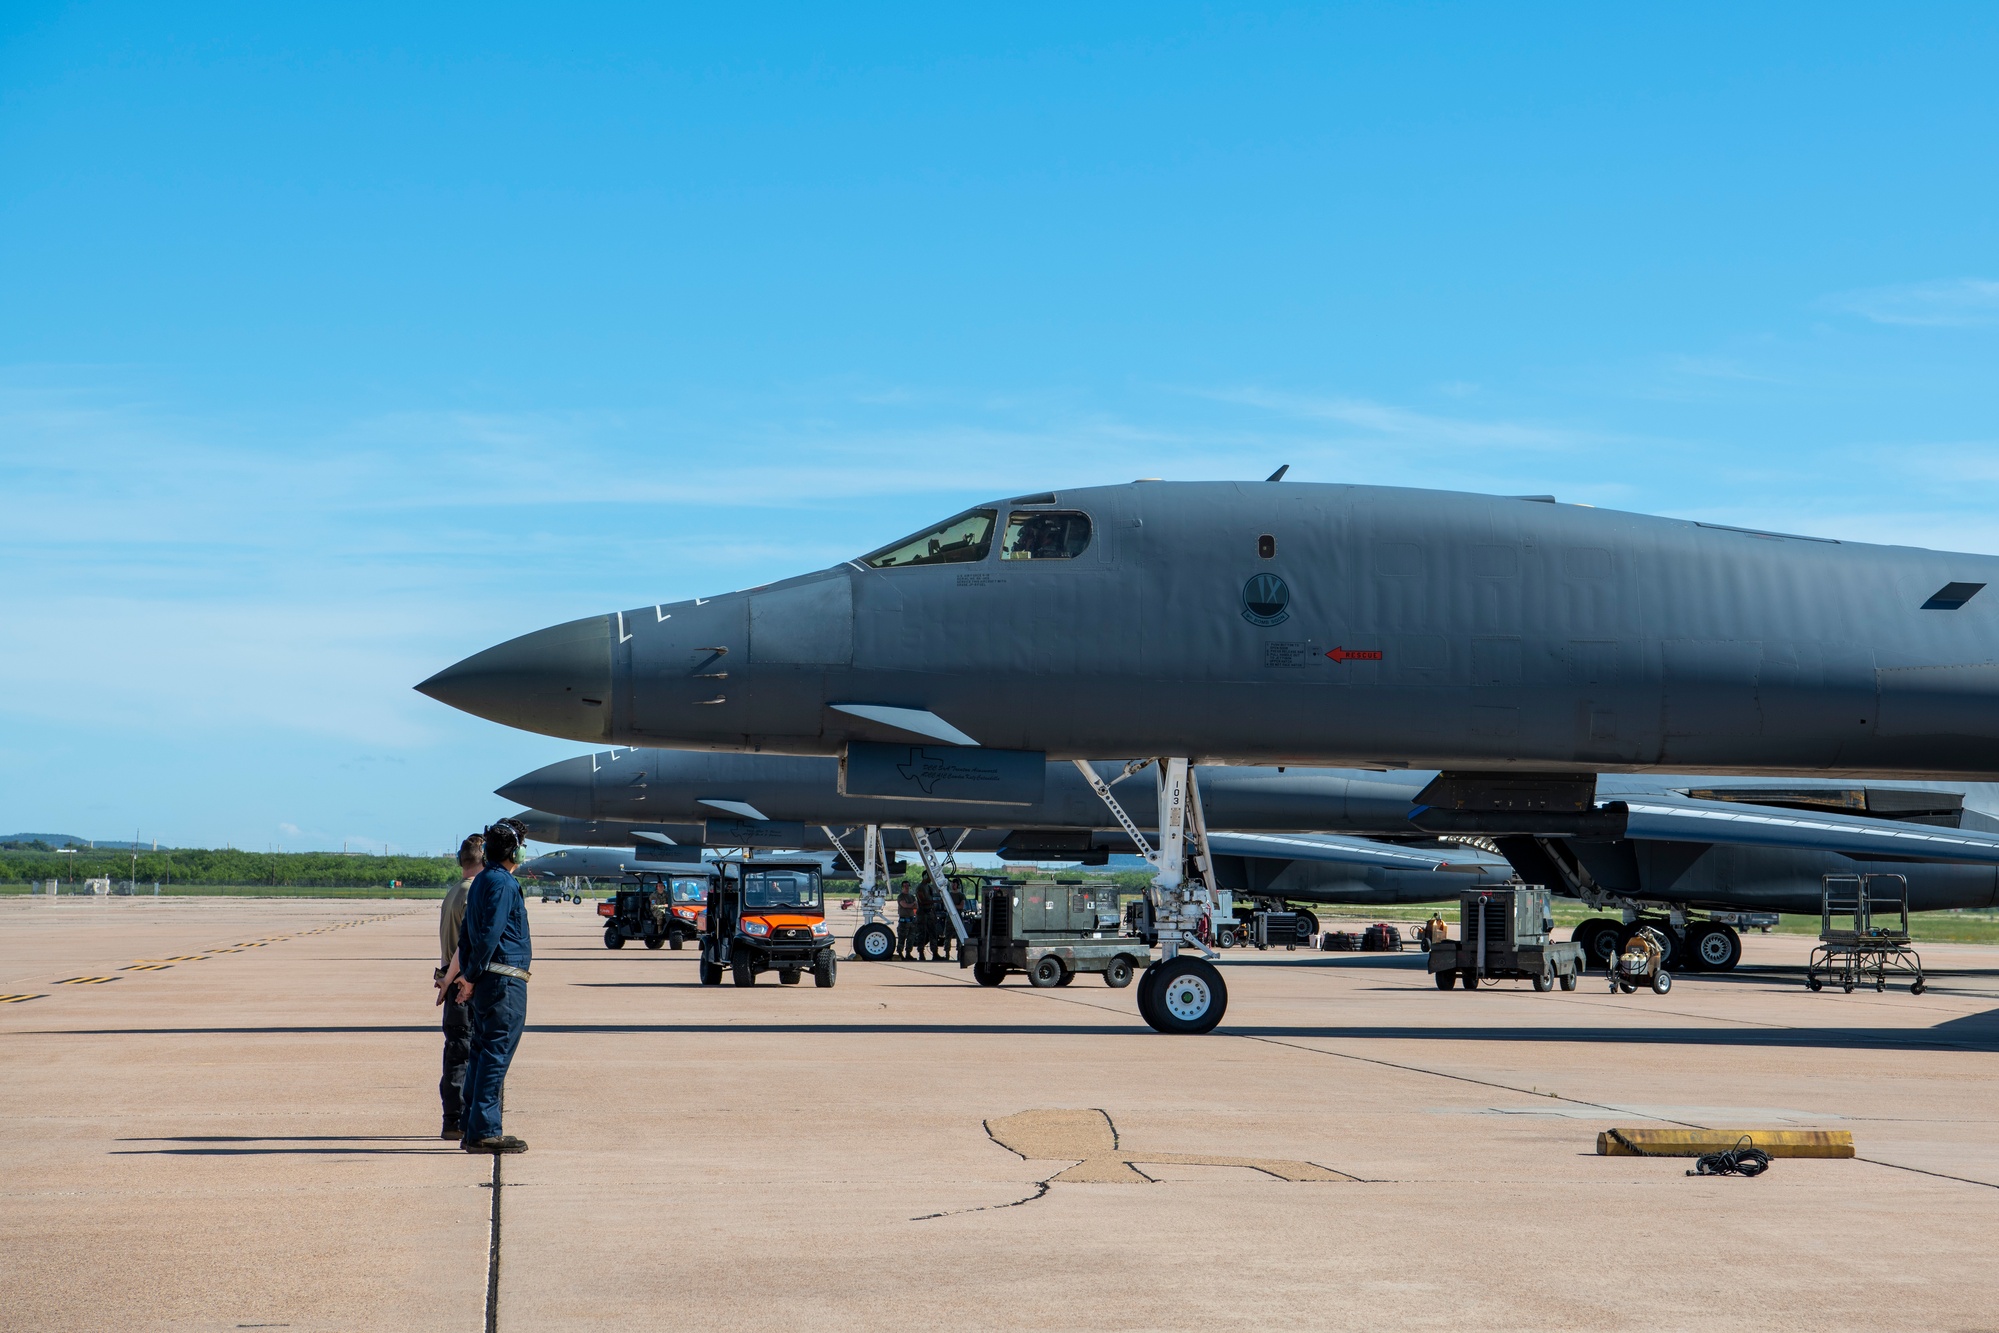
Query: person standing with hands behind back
(494, 954)
(457, 1018)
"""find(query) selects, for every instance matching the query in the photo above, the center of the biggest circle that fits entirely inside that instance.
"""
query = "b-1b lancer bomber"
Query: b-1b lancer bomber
(1518, 645)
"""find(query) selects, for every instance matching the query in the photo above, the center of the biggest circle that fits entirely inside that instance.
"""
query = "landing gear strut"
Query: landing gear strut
(875, 940)
(1180, 993)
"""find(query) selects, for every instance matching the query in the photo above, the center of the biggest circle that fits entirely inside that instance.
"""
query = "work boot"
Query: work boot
(501, 1143)
(452, 1130)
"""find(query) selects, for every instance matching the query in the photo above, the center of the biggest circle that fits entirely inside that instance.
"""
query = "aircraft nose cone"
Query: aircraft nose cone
(561, 788)
(556, 681)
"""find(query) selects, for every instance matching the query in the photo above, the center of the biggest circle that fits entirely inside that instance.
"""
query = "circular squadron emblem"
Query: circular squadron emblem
(1266, 601)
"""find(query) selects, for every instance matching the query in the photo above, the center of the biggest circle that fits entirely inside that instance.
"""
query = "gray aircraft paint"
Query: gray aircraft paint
(1422, 628)
(1701, 853)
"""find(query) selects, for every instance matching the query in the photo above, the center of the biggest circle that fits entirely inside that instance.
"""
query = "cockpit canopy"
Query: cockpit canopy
(1031, 534)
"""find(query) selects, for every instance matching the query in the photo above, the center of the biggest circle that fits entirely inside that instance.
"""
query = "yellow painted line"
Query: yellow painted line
(1695, 1142)
(147, 967)
(184, 958)
(85, 981)
(20, 999)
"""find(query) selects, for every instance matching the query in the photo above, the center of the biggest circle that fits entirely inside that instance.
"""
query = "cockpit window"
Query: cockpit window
(961, 541)
(1045, 534)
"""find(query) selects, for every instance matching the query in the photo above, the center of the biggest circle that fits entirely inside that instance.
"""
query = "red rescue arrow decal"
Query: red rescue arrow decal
(1355, 654)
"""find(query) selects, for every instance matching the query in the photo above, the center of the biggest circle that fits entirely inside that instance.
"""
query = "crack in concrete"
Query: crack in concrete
(493, 1254)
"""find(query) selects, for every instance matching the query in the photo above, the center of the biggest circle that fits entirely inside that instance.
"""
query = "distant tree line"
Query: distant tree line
(329, 870)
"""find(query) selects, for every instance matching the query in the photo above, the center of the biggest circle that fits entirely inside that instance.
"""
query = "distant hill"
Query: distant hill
(71, 840)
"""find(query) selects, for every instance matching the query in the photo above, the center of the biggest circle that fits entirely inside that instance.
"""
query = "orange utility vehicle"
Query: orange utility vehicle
(767, 915)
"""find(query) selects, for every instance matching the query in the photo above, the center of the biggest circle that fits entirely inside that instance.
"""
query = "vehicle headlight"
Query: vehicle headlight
(756, 928)
(820, 928)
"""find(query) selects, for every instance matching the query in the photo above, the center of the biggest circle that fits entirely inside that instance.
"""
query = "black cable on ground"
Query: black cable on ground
(1737, 1161)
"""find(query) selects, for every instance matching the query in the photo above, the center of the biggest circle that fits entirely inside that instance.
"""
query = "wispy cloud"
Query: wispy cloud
(1941, 303)
(1364, 417)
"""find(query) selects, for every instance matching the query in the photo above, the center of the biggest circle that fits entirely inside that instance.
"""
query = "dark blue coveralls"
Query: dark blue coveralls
(495, 931)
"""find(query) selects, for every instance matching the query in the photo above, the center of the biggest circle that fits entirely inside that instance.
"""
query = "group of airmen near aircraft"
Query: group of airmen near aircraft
(922, 923)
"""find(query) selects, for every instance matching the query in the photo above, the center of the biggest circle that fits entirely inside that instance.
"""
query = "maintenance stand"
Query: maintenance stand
(1864, 933)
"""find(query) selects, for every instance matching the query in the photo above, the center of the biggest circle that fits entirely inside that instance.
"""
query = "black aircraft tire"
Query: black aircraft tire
(1714, 947)
(1118, 973)
(1308, 927)
(1189, 997)
(988, 976)
(1148, 979)
(874, 943)
(1590, 935)
(612, 939)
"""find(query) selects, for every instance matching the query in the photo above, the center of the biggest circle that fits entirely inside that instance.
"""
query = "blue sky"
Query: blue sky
(336, 345)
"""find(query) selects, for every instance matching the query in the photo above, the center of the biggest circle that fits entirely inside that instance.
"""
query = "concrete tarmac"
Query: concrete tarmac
(244, 1138)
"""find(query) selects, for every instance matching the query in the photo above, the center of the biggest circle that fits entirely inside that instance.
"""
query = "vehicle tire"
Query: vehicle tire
(1545, 982)
(743, 972)
(1918, 986)
(988, 976)
(1308, 928)
(1627, 987)
(655, 941)
(1714, 947)
(1188, 997)
(676, 940)
(1468, 979)
(1225, 938)
(1569, 981)
(826, 970)
(612, 939)
(1847, 986)
(788, 976)
(874, 943)
(1662, 982)
(1118, 974)
(1446, 980)
(1813, 983)
(1046, 972)
(711, 973)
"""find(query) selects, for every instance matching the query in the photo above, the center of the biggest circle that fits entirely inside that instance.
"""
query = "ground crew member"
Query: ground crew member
(457, 1018)
(905, 923)
(942, 937)
(494, 954)
(926, 908)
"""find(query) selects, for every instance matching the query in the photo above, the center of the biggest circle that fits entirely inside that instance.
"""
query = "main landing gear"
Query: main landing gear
(1700, 946)
(1180, 993)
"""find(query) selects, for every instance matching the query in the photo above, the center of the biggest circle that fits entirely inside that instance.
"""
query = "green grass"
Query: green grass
(145, 890)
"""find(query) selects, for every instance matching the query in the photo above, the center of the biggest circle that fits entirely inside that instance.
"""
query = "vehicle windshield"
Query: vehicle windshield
(960, 541)
(765, 889)
(690, 890)
(1045, 535)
